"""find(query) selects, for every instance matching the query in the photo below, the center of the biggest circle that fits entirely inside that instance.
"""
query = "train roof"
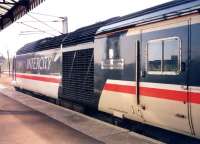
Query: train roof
(82, 35)
(156, 13)
(42, 44)
(87, 34)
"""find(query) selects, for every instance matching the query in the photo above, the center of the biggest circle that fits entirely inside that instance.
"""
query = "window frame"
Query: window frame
(162, 72)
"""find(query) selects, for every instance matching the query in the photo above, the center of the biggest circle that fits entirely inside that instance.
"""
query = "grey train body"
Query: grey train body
(144, 67)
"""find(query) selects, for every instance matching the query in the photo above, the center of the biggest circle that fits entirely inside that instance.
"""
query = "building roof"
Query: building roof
(11, 10)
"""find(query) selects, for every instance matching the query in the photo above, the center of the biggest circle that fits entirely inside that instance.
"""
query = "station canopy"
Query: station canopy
(11, 10)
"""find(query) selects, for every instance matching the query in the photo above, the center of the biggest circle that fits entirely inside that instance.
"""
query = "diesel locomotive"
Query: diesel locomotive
(143, 66)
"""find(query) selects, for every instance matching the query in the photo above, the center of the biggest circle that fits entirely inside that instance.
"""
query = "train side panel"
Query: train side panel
(163, 94)
(39, 72)
(115, 75)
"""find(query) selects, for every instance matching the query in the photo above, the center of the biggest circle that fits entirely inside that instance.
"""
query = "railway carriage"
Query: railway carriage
(144, 66)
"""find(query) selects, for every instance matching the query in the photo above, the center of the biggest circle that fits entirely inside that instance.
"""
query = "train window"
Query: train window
(154, 56)
(112, 48)
(171, 55)
(112, 59)
(163, 56)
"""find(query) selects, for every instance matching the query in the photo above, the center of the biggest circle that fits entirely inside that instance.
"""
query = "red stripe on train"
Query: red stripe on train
(155, 92)
(164, 94)
(120, 88)
(39, 78)
(195, 97)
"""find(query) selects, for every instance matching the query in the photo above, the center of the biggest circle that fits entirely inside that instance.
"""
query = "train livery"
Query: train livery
(144, 66)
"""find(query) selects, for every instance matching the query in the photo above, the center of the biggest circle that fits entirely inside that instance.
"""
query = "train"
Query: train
(143, 67)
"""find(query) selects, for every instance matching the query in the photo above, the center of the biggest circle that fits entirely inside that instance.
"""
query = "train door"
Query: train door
(162, 90)
(194, 81)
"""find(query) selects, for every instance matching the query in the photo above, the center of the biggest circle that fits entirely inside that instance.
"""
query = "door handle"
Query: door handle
(180, 116)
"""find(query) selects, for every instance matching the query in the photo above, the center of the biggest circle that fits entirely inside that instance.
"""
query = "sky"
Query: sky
(45, 21)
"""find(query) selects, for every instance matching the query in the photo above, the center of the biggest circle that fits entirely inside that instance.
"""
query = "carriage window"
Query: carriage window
(163, 56)
(112, 58)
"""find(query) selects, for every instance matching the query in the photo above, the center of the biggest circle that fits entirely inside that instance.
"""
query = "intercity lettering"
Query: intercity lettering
(39, 63)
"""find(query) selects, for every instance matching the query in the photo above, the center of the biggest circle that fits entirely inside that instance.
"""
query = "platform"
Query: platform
(25, 119)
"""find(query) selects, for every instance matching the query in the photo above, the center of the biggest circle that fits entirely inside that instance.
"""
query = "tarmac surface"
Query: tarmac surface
(23, 125)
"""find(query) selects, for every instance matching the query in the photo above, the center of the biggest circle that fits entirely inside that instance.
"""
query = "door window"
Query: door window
(164, 56)
(171, 55)
(154, 56)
